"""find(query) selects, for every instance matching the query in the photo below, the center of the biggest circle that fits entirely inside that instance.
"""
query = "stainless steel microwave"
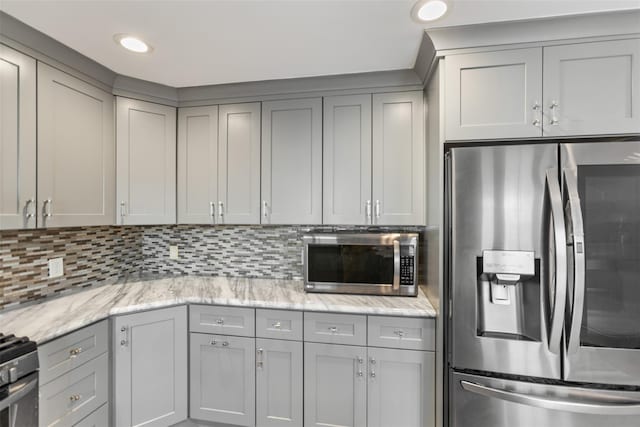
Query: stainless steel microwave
(361, 263)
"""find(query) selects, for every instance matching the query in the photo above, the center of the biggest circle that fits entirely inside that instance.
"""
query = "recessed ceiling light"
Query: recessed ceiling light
(132, 43)
(429, 10)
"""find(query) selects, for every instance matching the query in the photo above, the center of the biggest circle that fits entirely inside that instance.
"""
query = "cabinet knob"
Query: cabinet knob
(75, 397)
(75, 351)
(536, 123)
(360, 373)
(277, 325)
(333, 329)
(372, 361)
(123, 342)
(360, 360)
(373, 374)
(220, 321)
(225, 344)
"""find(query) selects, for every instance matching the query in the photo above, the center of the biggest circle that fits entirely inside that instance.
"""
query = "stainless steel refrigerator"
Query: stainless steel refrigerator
(544, 285)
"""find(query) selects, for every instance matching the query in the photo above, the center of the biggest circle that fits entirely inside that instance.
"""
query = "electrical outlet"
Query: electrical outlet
(56, 268)
(173, 252)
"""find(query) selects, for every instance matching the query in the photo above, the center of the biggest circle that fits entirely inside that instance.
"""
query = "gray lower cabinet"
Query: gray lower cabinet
(150, 367)
(401, 389)
(278, 383)
(222, 379)
(99, 418)
(335, 385)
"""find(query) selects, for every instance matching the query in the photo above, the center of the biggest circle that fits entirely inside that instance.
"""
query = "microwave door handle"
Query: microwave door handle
(576, 245)
(396, 265)
(18, 391)
(558, 234)
(587, 406)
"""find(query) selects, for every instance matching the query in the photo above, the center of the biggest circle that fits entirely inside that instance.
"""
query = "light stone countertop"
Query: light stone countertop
(55, 317)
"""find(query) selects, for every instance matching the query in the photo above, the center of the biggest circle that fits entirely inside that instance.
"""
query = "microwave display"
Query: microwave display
(355, 264)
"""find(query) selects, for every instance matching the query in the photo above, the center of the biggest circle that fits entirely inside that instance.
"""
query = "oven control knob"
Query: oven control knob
(13, 374)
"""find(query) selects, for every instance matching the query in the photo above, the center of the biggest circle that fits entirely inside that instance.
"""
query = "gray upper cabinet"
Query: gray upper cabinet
(592, 88)
(292, 161)
(239, 164)
(278, 383)
(398, 158)
(335, 385)
(347, 160)
(150, 367)
(146, 164)
(76, 152)
(401, 389)
(492, 95)
(222, 379)
(197, 165)
(17, 140)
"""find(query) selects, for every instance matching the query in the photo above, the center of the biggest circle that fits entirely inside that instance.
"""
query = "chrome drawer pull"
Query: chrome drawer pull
(220, 321)
(74, 352)
(399, 333)
(333, 329)
(75, 397)
(277, 325)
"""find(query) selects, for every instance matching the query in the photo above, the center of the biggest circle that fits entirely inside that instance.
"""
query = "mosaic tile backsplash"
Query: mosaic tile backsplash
(99, 255)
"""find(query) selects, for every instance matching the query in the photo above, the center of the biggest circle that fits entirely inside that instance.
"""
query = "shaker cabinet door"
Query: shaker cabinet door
(146, 164)
(401, 388)
(491, 95)
(592, 88)
(17, 140)
(278, 383)
(292, 161)
(239, 164)
(150, 367)
(76, 151)
(222, 379)
(398, 159)
(347, 160)
(197, 165)
(335, 385)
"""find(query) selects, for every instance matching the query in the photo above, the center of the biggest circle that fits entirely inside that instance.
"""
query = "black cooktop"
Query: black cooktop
(12, 347)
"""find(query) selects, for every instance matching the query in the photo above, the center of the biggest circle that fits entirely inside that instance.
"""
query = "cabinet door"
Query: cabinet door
(494, 95)
(197, 164)
(278, 383)
(347, 160)
(76, 152)
(239, 165)
(222, 379)
(292, 161)
(17, 140)
(592, 88)
(398, 158)
(401, 388)
(146, 173)
(150, 364)
(335, 385)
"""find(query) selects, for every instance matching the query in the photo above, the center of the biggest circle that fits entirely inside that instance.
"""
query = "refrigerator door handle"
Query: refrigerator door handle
(588, 405)
(575, 242)
(558, 233)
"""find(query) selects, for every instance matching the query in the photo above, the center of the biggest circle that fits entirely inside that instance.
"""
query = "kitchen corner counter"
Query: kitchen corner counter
(55, 317)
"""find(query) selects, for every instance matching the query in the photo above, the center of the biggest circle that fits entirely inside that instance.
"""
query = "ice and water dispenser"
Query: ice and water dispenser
(508, 295)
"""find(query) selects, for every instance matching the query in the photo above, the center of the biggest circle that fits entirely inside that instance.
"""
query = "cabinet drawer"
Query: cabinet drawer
(212, 319)
(335, 328)
(61, 355)
(279, 324)
(402, 332)
(71, 397)
(99, 418)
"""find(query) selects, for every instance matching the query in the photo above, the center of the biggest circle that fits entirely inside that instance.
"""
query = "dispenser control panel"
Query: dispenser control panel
(508, 262)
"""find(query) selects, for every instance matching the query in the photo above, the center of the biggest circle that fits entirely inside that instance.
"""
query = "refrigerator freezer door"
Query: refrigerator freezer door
(479, 401)
(503, 307)
(601, 194)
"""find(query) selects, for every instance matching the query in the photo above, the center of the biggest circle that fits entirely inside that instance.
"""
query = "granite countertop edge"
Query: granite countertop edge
(52, 318)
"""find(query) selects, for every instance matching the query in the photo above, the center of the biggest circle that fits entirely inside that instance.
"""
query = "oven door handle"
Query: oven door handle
(575, 244)
(396, 265)
(606, 406)
(19, 390)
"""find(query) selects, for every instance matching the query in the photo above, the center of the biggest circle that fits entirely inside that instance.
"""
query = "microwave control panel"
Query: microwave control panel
(407, 265)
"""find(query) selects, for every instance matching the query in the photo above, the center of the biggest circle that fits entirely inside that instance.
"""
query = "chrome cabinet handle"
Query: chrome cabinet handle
(377, 210)
(74, 352)
(589, 405)
(367, 212)
(333, 329)
(360, 360)
(220, 321)
(558, 234)
(213, 342)
(123, 211)
(399, 333)
(277, 325)
(225, 343)
(212, 211)
(575, 241)
(372, 361)
(27, 213)
(554, 110)
(373, 374)
(46, 208)
(221, 211)
(75, 397)
(265, 209)
(124, 331)
(260, 360)
(537, 114)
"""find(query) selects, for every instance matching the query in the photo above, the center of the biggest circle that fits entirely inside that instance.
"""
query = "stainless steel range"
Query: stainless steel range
(544, 285)
(18, 382)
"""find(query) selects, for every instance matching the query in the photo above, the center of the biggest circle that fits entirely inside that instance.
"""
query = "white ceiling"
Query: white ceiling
(223, 41)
